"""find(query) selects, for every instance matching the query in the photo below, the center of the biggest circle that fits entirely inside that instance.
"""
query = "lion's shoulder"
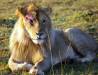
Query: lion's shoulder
(56, 35)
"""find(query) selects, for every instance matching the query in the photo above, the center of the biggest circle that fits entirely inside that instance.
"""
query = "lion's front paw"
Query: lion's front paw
(22, 65)
(35, 71)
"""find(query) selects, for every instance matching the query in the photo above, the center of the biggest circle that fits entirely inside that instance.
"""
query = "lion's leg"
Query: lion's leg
(40, 67)
(88, 58)
(82, 43)
(15, 66)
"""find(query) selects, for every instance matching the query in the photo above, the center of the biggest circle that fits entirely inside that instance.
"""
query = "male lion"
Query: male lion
(35, 46)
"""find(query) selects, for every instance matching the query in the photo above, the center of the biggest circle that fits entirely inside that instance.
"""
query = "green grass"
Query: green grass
(66, 13)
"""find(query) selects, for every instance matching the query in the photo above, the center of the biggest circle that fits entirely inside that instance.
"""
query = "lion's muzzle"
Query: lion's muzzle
(40, 38)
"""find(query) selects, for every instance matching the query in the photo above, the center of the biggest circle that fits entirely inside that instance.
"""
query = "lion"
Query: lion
(36, 46)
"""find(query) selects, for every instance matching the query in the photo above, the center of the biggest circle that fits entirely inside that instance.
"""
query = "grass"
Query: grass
(66, 13)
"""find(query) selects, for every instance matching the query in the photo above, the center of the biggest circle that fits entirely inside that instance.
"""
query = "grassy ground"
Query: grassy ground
(66, 13)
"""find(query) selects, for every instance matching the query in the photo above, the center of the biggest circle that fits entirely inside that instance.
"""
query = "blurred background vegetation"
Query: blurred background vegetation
(82, 14)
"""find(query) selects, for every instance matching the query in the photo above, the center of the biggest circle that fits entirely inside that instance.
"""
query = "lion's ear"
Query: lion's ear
(20, 12)
(17, 12)
(48, 10)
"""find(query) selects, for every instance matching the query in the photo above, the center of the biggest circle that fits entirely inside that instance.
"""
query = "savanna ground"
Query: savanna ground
(66, 13)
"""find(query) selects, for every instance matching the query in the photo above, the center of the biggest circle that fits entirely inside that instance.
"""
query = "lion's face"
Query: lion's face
(36, 22)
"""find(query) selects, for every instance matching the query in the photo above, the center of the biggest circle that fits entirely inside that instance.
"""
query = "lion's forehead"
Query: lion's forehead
(42, 14)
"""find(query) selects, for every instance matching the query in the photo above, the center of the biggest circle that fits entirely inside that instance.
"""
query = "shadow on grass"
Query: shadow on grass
(74, 69)
(7, 22)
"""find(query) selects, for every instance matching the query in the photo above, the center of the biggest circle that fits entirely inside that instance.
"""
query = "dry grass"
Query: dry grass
(66, 13)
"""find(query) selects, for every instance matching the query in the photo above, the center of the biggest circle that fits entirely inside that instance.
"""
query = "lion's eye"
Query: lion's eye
(43, 21)
(31, 21)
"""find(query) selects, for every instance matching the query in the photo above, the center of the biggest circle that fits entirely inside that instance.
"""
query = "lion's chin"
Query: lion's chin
(38, 41)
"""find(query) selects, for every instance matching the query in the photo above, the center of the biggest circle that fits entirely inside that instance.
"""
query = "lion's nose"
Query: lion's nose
(40, 33)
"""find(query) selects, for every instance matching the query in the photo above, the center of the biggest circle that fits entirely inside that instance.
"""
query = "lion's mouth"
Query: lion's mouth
(39, 40)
